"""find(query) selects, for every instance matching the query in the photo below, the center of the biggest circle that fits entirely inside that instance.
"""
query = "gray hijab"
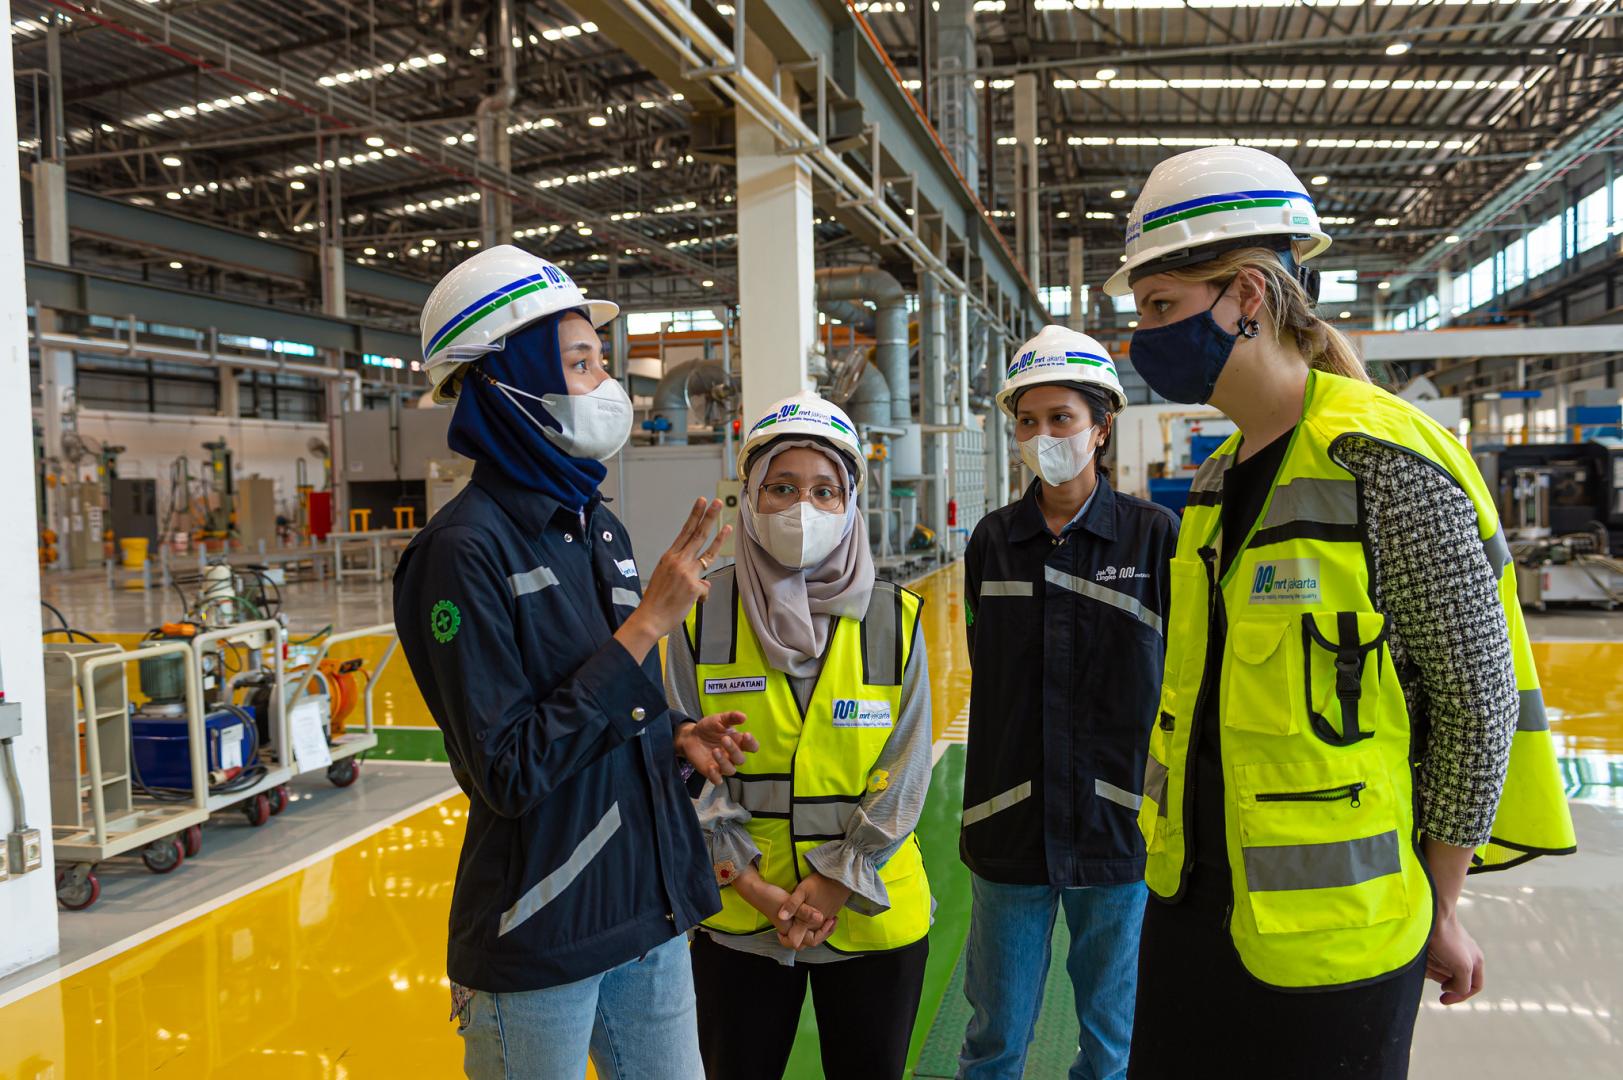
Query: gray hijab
(791, 611)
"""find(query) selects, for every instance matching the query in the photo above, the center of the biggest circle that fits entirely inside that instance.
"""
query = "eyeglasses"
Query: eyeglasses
(781, 496)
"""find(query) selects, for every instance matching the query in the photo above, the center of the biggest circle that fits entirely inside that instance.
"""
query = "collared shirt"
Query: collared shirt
(581, 851)
(1066, 641)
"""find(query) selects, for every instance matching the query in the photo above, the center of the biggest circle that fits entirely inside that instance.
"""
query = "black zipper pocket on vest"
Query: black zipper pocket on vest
(1167, 721)
(1336, 794)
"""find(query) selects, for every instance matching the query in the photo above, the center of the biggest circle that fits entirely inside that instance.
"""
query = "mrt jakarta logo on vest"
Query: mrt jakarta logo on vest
(849, 712)
(1286, 581)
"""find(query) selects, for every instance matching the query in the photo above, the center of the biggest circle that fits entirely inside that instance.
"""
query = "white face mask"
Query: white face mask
(799, 537)
(594, 425)
(1058, 461)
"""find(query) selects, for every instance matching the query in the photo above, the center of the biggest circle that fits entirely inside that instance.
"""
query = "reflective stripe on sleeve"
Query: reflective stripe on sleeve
(531, 581)
(1119, 796)
(548, 888)
(1005, 588)
(624, 598)
(1321, 866)
(997, 803)
(1497, 549)
(1094, 591)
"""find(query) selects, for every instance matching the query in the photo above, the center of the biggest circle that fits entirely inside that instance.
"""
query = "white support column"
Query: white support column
(1445, 296)
(1025, 135)
(333, 300)
(27, 903)
(1077, 274)
(933, 349)
(776, 287)
(51, 245)
(230, 399)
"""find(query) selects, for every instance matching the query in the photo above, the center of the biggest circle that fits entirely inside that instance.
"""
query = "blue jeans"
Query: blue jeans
(637, 1021)
(1011, 931)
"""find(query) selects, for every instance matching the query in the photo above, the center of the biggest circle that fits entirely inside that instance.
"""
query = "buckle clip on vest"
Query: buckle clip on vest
(1350, 656)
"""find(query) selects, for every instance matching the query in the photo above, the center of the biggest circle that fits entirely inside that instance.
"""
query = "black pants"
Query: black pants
(749, 1008)
(1200, 1013)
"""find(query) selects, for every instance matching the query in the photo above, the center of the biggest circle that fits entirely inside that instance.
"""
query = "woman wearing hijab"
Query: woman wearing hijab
(812, 840)
(520, 612)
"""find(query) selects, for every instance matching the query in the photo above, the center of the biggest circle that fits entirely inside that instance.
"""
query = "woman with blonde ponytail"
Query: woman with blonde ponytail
(1346, 665)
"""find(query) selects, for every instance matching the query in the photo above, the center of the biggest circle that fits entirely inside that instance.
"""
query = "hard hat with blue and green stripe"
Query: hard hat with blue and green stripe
(1060, 355)
(487, 297)
(805, 416)
(1199, 204)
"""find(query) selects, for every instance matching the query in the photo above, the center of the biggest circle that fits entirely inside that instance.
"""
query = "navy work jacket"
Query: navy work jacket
(1066, 639)
(582, 849)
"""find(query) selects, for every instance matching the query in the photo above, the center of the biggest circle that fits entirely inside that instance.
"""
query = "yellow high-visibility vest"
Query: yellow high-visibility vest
(811, 771)
(1323, 847)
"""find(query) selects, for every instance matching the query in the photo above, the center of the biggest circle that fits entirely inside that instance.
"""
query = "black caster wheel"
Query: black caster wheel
(257, 810)
(192, 840)
(164, 856)
(344, 773)
(278, 797)
(77, 887)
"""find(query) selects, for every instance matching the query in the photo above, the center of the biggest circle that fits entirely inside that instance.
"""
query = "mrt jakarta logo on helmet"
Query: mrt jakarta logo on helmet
(1286, 581)
(1071, 358)
(803, 415)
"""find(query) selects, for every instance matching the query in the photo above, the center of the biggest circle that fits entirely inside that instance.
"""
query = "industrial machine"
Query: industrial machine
(218, 523)
(1562, 507)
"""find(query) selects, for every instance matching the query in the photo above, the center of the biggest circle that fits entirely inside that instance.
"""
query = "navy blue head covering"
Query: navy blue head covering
(489, 428)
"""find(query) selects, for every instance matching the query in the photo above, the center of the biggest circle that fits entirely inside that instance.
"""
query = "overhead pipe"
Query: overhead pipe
(492, 113)
(869, 405)
(890, 325)
(673, 394)
(850, 313)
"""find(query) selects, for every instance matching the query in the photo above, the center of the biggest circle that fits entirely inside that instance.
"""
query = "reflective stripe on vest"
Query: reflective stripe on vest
(811, 773)
(1329, 888)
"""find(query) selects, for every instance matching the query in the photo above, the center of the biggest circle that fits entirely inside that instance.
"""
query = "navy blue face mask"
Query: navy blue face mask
(1181, 361)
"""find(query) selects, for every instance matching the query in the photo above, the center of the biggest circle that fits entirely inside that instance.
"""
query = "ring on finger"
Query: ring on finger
(705, 561)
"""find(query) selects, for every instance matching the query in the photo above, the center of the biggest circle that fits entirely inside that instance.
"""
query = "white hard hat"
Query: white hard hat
(485, 298)
(805, 415)
(1217, 196)
(1060, 355)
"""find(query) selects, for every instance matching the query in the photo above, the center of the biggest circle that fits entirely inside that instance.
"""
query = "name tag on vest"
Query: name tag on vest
(849, 712)
(628, 567)
(753, 684)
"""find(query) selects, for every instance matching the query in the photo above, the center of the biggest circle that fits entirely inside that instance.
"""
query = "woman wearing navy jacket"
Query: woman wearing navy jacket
(521, 612)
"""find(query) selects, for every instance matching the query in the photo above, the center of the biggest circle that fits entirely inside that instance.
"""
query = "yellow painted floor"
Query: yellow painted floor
(336, 970)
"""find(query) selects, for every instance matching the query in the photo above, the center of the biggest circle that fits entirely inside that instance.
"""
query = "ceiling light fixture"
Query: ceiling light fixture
(1119, 193)
(172, 161)
(1451, 239)
(374, 140)
(1398, 48)
(1533, 166)
(177, 266)
(1320, 180)
(597, 121)
(1383, 286)
(297, 185)
(1105, 74)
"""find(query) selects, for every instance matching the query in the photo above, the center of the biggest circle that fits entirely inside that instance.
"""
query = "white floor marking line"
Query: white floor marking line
(108, 952)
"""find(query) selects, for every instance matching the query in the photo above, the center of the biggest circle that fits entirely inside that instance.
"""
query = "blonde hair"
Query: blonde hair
(1286, 308)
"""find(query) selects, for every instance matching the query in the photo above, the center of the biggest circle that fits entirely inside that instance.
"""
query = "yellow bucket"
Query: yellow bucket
(135, 552)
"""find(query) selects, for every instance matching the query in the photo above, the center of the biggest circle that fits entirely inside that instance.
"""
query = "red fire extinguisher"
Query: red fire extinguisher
(952, 513)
